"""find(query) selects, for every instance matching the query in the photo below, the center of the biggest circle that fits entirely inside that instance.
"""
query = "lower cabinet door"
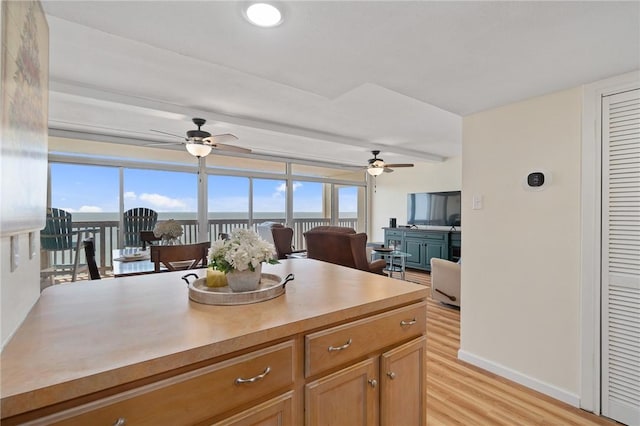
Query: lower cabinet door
(415, 247)
(275, 412)
(438, 250)
(347, 397)
(403, 378)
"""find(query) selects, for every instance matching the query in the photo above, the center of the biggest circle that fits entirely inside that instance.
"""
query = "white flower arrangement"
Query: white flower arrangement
(168, 229)
(243, 250)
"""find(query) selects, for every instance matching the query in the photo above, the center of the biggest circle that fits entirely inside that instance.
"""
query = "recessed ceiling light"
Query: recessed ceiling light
(263, 15)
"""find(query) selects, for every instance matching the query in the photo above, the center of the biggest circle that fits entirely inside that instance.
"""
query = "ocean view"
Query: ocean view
(257, 216)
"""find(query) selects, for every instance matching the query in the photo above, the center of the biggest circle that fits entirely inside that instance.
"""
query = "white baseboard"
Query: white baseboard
(507, 373)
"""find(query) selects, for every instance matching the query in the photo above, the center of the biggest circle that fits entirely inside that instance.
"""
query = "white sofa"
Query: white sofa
(445, 281)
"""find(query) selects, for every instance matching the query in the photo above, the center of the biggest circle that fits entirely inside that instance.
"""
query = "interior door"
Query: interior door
(621, 257)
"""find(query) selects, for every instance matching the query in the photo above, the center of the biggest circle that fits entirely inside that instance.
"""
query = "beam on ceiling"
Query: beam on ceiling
(93, 95)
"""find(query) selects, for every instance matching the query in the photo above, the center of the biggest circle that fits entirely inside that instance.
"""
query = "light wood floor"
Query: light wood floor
(461, 394)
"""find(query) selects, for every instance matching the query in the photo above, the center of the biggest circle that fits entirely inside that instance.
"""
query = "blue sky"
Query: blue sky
(94, 189)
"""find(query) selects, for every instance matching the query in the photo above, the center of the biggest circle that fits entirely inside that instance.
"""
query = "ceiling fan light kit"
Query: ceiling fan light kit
(198, 149)
(374, 170)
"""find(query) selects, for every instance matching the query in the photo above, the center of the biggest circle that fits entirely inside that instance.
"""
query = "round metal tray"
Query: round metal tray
(271, 286)
(383, 250)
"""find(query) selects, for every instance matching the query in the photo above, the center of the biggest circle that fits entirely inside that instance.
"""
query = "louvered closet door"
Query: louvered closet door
(621, 257)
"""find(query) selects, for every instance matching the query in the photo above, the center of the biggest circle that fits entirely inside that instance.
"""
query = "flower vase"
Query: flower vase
(246, 280)
(170, 241)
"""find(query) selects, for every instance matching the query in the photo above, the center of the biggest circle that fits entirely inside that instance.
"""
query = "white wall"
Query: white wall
(391, 189)
(20, 289)
(521, 269)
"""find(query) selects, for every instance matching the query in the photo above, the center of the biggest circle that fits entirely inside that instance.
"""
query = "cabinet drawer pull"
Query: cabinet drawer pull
(339, 348)
(120, 422)
(240, 380)
(411, 322)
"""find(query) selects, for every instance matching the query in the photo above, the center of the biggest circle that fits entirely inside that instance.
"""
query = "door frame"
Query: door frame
(591, 238)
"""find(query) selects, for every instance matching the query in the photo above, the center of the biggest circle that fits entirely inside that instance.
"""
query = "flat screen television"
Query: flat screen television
(434, 208)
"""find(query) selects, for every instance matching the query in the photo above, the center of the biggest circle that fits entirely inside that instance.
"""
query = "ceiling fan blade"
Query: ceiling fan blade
(399, 165)
(167, 133)
(215, 143)
(225, 137)
(387, 170)
(215, 139)
(231, 148)
(163, 143)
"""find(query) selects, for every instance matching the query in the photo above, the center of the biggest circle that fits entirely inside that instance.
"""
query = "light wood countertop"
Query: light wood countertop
(89, 336)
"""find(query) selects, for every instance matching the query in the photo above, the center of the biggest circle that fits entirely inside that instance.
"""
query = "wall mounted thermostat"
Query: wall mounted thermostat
(537, 180)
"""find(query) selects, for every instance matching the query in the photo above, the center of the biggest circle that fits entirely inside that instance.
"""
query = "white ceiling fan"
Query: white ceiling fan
(199, 143)
(377, 166)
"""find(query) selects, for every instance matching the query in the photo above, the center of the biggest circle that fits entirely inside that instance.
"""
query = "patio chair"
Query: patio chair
(181, 256)
(136, 220)
(264, 230)
(58, 236)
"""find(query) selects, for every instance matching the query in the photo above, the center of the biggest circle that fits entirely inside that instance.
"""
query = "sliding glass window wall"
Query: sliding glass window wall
(98, 190)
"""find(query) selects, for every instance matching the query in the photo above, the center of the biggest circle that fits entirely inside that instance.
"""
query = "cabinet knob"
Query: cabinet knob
(391, 375)
(373, 383)
(240, 380)
(120, 422)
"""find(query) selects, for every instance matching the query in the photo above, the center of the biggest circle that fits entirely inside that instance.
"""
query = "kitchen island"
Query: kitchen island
(136, 350)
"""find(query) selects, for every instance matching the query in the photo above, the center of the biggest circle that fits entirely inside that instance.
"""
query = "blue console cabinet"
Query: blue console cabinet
(424, 244)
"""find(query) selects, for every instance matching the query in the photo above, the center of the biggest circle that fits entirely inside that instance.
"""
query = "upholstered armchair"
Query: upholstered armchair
(283, 242)
(342, 246)
(445, 281)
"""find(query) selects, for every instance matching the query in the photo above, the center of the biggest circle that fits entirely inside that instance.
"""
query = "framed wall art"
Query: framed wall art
(23, 134)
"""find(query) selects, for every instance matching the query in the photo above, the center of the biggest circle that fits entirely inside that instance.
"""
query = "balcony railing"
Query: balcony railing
(106, 235)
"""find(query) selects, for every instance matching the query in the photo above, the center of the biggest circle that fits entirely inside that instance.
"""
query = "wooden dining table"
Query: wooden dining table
(126, 265)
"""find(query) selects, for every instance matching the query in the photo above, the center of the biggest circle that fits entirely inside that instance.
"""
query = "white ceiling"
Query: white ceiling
(335, 80)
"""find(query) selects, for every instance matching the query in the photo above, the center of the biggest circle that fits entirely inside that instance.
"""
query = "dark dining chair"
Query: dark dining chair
(136, 220)
(148, 237)
(90, 254)
(181, 256)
